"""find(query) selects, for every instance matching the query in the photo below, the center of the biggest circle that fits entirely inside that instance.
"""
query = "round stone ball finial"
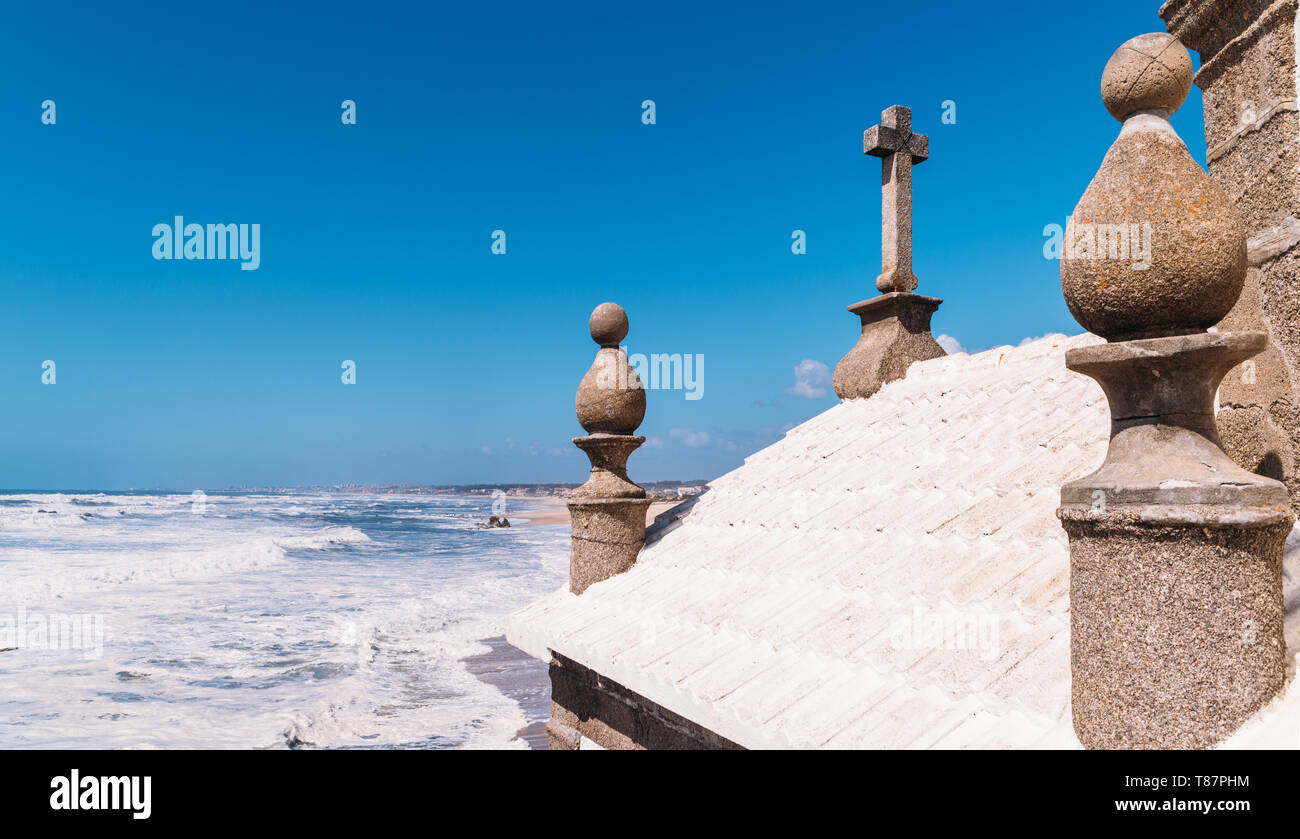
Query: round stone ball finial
(608, 324)
(1149, 72)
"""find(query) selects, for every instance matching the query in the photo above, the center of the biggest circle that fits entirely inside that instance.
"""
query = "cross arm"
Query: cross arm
(882, 141)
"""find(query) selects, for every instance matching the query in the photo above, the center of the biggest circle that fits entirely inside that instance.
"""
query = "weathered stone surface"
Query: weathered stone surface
(608, 454)
(1252, 133)
(1175, 550)
(608, 324)
(1208, 26)
(1272, 242)
(1245, 90)
(1197, 243)
(1258, 443)
(608, 511)
(1256, 418)
(895, 334)
(1149, 192)
(899, 147)
(1257, 172)
(1176, 633)
(607, 537)
(896, 325)
(586, 704)
(610, 398)
(1164, 463)
(1160, 657)
(1280, 286)
(1149, 72)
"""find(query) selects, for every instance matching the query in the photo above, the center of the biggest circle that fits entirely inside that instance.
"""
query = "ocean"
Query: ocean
(260, 620)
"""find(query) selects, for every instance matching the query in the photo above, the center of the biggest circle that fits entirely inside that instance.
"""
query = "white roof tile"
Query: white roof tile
(891, 574)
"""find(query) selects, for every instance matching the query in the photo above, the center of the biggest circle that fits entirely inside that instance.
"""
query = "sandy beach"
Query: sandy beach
(519, 677)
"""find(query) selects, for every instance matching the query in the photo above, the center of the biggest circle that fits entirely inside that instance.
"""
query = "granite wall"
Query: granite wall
(1252, 135)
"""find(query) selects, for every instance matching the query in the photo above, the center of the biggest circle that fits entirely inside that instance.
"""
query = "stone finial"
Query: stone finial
(1151, 72)
(610, 398)
(896, 325)
(608, 324)
(1156, 247)
(1175, 551)
(608, 511)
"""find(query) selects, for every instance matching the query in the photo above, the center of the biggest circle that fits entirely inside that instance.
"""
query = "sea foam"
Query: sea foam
(300, 620)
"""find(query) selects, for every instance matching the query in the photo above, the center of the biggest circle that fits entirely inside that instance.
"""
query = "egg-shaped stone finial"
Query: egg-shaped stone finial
(610, 397)
(1154, 247)
(1151, 72)
(608, 324)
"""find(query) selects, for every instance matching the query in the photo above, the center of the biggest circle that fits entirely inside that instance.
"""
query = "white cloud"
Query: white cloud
(654, 442)
(812, 380)
(950, 344)
(690, 439)
(1031, 340)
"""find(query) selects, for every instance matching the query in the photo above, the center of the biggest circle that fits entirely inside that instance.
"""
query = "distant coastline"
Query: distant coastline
(557, 513)
(657, 490)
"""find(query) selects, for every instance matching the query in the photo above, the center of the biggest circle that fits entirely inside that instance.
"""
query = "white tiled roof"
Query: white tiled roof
(891, 574)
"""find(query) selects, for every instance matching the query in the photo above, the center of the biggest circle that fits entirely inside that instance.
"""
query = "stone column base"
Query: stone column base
(1175, 556)
(607, 537)
(1176, 632)
(895, 333)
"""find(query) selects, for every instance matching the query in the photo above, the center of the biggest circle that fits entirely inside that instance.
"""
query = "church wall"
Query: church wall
(1252, 133)
(586, 704)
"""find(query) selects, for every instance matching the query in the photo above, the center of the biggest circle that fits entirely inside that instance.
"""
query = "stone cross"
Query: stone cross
(894, 141)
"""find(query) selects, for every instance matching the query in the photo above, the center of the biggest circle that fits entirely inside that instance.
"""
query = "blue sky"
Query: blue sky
(376, 237)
